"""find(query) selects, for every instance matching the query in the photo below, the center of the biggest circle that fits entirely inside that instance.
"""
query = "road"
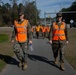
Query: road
(40, 62)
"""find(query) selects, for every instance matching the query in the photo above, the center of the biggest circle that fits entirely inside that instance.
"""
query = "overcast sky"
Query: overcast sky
(49, 5)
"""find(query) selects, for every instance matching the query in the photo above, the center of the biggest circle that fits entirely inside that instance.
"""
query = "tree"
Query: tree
(21, 8)
(5, 14)
(31, 13)
(69, 16)
(9, 12)
(15, 11)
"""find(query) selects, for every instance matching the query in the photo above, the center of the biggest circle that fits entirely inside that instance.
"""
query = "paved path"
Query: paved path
(40, 62)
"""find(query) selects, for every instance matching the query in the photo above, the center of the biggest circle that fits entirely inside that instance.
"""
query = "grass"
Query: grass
(2, 64)
(70, 51)
(3, 38)
(6, 51)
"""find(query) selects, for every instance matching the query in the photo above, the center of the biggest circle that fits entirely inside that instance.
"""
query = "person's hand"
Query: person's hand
(30, 42)
(67, 42)
(12, 41)
(50, 41)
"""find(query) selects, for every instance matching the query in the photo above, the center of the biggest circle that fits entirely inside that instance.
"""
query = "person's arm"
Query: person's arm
(29, 33)
(66, 33)
(51, 29)
(13, 34)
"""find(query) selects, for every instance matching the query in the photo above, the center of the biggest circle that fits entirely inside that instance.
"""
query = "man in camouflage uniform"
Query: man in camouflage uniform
(58, 38)
(19, 32)
(37, 31)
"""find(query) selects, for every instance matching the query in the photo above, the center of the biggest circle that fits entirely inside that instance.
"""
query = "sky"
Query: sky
(49, 6)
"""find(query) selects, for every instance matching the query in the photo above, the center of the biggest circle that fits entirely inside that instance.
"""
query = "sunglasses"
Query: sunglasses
(20, 15)
(59, 16)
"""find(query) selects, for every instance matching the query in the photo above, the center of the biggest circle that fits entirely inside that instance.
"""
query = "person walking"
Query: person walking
(43, 31)
(21, 37)
(32, 29)
(47, 31)
(58, 38)
(37, 31)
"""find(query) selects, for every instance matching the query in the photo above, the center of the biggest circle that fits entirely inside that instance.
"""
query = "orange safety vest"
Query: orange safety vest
(58, 32)
(48, 29)
(43, 29)
(37, 29)
(40, 28)
(21, 35)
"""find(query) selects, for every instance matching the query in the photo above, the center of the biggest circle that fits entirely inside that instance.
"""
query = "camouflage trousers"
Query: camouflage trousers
(58, 49)
(20, 50)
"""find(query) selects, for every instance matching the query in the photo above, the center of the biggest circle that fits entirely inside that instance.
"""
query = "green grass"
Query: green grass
(70, 50)
(6, 50)
(3, 38)
(2, 65)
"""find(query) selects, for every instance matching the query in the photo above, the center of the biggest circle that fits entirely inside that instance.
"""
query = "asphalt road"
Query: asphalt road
(40, 62)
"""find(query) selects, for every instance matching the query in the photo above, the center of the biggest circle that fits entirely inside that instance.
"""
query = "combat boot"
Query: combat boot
(62, 66)
(20, 64)
(56, 61)
(24, 66)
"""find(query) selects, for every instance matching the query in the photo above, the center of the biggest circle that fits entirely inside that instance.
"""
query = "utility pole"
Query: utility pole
(45, 18)
(36, 11)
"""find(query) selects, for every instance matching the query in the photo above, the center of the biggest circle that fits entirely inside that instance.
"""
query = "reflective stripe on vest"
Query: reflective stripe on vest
(21, 35)
(58, 32)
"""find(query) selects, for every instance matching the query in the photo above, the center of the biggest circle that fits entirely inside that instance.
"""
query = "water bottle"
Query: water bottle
(31, 47)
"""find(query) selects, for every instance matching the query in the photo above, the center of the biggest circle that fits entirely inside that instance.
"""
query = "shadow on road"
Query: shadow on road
(7, 59)
(42, 59)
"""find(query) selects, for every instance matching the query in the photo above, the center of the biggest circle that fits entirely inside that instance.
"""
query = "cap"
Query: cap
(21, 13)
(59, 14)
